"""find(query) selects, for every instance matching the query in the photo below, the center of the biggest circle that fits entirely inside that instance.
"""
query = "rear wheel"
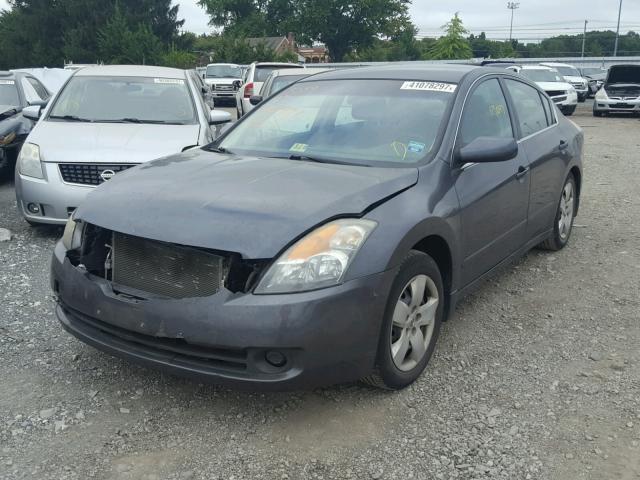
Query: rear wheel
(411, 325)
(565, 215)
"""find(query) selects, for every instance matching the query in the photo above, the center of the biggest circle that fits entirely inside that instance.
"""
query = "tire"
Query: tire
(561, 229)
(582, 99)
(7, 164)
(569, 111)
(398, 373)
(597, 113)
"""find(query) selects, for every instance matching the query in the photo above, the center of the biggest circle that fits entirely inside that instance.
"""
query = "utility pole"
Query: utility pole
(584, 37)
(615, 48)
(513, 6)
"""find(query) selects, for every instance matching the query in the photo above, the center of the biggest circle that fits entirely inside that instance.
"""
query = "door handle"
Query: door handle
(563, 145)
(522, 171)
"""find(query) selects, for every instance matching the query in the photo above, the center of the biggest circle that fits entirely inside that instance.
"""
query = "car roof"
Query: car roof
(557, 64)
(445, 72)
(277, 64)
(538, 67)
(225, 64)
(130, 71)
(289, 72)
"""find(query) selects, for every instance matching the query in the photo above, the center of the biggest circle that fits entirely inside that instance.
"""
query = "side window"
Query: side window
(29, 92)
(548, 110)
(39, 88)
(528, 105)
(486, 114)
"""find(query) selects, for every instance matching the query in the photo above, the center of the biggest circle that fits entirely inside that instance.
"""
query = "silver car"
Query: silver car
(105, 120)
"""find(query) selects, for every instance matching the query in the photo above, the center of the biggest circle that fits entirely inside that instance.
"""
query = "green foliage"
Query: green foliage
(453, 45)
(230, 49)
(179, 59)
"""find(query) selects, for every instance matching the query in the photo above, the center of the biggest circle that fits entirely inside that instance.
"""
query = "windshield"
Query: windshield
(541, 75)
(365, 122)
(568, 71)
(9, 93)
(262, 73)
(125, 99)
(593, 71)
(224, 71)
(280, 82)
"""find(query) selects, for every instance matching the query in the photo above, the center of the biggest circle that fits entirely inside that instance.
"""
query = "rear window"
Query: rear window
(280, 82)
(262, 73)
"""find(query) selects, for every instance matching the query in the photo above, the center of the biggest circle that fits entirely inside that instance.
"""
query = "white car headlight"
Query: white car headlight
(29, 161)
(72, 236)
(601, 94)
(318, 260)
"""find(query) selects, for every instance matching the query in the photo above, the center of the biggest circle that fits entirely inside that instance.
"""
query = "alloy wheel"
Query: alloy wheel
(566, 211)
(413, 322)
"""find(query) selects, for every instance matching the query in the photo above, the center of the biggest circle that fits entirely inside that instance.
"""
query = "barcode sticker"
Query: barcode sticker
(7, 82)
(430, 86)
(169, 81)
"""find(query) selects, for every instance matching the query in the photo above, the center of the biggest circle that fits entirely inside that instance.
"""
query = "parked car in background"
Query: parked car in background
(223, 79)
(620, 92)
(256, 74)
(572, 75)
(549, 79)
(280, 79)
(106, 120)
(595, 76)
(17, 91)
(326, 236)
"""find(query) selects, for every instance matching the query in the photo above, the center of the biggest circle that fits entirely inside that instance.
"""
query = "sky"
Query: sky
(533, 20)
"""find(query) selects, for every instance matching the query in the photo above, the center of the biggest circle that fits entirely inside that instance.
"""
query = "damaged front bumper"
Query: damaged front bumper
(276, 342)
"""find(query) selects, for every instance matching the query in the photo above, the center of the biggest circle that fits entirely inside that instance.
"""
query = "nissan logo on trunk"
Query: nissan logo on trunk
(107, 175)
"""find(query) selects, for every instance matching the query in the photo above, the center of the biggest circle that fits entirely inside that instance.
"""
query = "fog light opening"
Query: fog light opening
(33, 208)
(275, 358)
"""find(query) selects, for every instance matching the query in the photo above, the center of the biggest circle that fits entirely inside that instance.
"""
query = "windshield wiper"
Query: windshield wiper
(307, 158)
(217, 150)
(138, 120)
(70, 118)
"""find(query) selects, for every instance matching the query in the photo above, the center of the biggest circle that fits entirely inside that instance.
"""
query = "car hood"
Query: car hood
(547, 86)
(110, 142)
(629, 74)
(252, 206)
(573, 79)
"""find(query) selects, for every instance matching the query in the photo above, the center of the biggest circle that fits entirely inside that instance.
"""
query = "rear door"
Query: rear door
(547, 151)
(493, 197)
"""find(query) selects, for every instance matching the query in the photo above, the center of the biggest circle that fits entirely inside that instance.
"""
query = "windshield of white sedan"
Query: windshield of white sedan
(125, 100)
(224, 71)
(364, 122)
(9, 93)
(568, 71)
(541, 75)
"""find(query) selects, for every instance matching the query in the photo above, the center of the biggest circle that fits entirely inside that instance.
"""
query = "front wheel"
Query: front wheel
(597, 113)
(565, 215)
(569, 111)
(411, 325)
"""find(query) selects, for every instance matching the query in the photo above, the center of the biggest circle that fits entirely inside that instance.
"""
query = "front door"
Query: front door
(493, 197)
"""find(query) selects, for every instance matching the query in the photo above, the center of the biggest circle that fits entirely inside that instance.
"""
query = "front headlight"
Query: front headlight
(570, 90)
(72, 236)
(601, 94)
(318, 260)
(29, 161)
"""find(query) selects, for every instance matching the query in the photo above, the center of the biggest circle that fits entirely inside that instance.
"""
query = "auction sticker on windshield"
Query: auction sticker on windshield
(430, 86)
(169, 81)
(7, 82)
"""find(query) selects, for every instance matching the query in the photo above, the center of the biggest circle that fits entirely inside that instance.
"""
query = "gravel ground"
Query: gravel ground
(535, 377)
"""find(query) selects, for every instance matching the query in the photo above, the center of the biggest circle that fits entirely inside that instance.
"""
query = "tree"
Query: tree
(452, 45)
(347, 26)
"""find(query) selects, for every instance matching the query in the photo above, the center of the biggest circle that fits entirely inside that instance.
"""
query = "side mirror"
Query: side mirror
(237, 84)
(488, 149)
(32, 112)
(255, 99)
(39, 103)
(219, 117)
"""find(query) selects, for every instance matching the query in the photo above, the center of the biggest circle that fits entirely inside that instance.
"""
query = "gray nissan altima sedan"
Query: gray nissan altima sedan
(326, 236)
